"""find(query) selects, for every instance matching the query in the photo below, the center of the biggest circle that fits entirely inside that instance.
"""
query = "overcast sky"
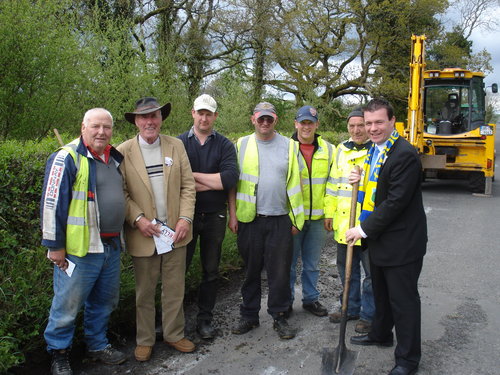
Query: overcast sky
(489, 40)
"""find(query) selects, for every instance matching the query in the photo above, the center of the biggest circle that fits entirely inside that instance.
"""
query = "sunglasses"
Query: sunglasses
(265, 119)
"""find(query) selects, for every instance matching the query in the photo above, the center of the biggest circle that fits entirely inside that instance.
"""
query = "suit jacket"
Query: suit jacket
(179, 187)
(397, 228)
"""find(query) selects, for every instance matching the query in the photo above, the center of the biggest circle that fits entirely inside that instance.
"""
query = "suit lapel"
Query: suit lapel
(138, 164)
(167, 151)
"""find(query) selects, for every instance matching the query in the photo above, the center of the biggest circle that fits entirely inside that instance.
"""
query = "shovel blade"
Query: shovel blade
(338, 361)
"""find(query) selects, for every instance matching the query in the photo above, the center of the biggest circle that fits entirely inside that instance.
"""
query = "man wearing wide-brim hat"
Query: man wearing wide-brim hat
(148, 105)
(159, 185)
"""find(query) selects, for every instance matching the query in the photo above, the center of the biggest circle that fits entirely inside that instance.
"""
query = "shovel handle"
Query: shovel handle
(354, 199)
(348, 263)
(341, 349)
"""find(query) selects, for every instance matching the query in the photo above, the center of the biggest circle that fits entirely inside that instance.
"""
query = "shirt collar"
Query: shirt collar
(142, 141)
(350, 144)
(105, 154)
(192, 134)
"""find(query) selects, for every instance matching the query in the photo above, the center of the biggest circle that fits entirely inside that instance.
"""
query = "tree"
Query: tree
(391, 24)
(473, 15)
(327, 49)
(186, 32)
(58, 59)
(455, 49)
(321, 49)
(39, 63)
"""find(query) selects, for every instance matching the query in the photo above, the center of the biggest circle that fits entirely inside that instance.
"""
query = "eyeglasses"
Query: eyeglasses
(264, 119)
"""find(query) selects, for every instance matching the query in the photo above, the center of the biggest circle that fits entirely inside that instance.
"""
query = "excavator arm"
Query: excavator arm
(415, 127)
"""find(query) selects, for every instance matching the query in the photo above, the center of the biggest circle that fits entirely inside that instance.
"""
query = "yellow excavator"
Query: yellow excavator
(446, 122)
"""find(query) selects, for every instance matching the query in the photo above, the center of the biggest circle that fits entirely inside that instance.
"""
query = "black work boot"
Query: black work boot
(60, 363)
(280, 325)
(206, 329)
(108, 356)
(315, 308)
(244, 326)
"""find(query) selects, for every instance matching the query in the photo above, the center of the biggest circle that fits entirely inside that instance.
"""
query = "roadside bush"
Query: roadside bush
(334, 137)
(24, 273)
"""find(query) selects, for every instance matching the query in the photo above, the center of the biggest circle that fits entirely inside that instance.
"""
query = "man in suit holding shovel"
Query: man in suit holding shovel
(393, 225)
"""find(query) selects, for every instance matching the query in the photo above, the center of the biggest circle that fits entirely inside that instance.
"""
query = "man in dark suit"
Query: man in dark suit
(393, 226)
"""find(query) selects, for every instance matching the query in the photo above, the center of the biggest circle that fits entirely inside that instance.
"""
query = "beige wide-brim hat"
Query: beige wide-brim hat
(148, 105)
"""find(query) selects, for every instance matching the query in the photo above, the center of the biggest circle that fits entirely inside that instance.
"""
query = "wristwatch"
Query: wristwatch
(186, 219)
(138, 218)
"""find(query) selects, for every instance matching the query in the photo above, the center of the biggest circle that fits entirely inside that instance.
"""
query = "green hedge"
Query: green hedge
(25, 274)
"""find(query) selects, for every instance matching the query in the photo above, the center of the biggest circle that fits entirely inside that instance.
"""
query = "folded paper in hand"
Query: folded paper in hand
(165, 240)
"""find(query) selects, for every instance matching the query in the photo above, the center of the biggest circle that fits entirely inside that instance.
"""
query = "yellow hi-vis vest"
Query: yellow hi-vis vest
(314, 184)
(246, 195)
(339, 191)
(81, 227)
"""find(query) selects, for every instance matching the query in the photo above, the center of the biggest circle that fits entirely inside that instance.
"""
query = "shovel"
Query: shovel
(342, 360)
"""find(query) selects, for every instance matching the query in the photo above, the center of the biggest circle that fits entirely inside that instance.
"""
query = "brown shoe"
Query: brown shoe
(363, 326)
(143, 353)
(183, 345)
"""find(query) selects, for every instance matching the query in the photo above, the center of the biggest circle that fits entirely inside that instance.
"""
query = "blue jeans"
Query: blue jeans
(94, 285)
(308, 244)
(360, 303)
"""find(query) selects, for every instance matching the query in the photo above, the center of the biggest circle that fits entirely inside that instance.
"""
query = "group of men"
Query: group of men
(282, 194)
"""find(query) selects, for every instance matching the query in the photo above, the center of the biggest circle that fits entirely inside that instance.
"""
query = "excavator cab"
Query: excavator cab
(453, 107)
(446, 122)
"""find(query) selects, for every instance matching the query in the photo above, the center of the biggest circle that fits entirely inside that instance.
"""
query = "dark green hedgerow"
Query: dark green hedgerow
(25, 274)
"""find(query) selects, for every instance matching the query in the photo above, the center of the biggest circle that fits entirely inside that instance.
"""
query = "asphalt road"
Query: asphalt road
(460, 298)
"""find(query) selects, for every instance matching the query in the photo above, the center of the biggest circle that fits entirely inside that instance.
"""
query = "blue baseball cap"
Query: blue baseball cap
(307, 113)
